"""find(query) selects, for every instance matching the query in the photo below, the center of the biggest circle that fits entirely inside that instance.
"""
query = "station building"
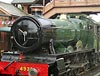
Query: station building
(52, 8)
(8, 13)
(33, 7)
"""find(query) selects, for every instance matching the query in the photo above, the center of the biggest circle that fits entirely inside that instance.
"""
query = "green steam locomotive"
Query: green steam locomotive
(60, 43)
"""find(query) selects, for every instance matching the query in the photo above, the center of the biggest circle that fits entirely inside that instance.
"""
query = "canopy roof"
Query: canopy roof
(22, 1)
(29, 1)
(10, 10)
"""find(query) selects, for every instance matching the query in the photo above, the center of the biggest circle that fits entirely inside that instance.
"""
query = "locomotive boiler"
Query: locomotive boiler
(49, 46)
(31, 33)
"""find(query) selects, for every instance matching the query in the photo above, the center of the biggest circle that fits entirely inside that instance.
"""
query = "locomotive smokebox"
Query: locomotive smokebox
(28, 32)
